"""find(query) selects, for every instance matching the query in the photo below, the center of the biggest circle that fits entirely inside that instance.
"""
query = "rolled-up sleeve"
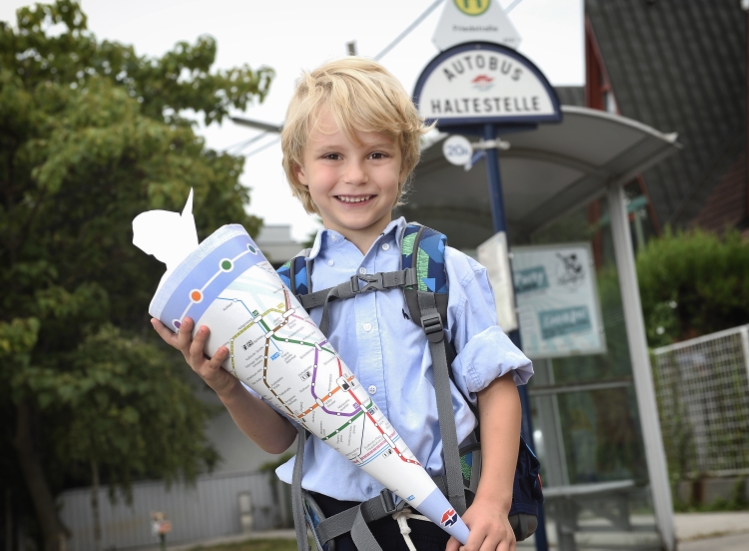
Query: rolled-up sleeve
(484, 352)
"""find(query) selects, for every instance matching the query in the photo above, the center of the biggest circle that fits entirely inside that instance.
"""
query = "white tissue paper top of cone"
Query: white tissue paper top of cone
(277, 350)
(169, 236)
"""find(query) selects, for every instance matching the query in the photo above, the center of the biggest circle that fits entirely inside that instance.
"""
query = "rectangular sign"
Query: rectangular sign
(493, 254)
(557, 300)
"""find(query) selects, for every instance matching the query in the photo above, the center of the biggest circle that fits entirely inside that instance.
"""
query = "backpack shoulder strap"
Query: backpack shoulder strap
(423, 249)
(297, 273)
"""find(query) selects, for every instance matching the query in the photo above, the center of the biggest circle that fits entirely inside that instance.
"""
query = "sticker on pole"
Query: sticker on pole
(457, 150)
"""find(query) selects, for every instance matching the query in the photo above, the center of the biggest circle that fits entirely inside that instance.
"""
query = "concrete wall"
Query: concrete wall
(707, 491)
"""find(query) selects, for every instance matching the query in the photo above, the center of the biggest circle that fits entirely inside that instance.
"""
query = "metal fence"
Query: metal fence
(208, 509)
(703, 399)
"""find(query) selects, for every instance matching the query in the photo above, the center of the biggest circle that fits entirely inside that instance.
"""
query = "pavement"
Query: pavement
(712, 531)
(694, 532)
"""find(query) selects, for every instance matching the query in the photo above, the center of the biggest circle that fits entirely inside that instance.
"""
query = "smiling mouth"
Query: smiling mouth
(354, 199)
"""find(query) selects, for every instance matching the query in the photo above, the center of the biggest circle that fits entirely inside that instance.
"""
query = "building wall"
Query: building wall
(238, 453)
(207, 510)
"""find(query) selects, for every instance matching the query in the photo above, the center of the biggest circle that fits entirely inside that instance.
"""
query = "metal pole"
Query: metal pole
(641, 369)
(500, 225)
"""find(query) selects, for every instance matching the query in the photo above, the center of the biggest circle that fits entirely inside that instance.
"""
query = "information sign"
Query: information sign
(494, 256)
(557, 300)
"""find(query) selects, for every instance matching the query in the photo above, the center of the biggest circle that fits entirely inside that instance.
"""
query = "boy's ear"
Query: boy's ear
(300, 175)
(403, 174)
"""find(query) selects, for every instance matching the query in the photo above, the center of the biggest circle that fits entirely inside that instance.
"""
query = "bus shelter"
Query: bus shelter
(595, 416)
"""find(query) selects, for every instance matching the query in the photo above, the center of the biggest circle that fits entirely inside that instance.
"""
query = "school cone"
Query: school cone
(275, 348)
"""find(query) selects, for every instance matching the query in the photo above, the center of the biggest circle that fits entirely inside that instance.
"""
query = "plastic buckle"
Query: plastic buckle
(373, 282)
(432, 325)
(386, 499)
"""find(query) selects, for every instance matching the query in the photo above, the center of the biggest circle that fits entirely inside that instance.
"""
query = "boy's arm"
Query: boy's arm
(256, 419)
(499, 411)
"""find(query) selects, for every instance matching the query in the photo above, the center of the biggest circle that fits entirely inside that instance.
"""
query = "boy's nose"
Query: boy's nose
(355, 173)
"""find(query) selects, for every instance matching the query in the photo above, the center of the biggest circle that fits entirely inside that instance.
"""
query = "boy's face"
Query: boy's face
(354, 185)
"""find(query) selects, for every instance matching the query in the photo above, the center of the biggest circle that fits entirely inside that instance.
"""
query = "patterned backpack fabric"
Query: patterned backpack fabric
(430, 257)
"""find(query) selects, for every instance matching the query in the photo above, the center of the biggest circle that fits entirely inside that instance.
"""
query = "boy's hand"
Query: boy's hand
(209, 369)
(489, 526)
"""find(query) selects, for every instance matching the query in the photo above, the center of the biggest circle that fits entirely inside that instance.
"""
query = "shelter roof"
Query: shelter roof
(546, 173)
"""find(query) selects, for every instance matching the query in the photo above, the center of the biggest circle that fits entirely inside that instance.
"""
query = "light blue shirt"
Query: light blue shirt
(390, 356)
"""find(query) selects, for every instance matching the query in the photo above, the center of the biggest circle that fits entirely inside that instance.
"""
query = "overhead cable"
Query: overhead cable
(262, 148)
(512, 6)
(405, 33)
(244, 144)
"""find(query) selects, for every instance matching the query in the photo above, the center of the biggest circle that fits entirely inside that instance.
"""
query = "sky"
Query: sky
(295, 35)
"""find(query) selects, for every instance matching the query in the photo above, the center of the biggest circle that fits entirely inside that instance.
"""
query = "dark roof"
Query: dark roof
(679, 66)
(726, 206)
(571, 95)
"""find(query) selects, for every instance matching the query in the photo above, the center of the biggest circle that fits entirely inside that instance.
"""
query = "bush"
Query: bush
(693, 283)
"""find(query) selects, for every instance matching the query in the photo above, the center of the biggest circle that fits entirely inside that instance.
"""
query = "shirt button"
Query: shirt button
(385, 246)
(372, 389)
(331, 262)
(362, 271)
(367, 326)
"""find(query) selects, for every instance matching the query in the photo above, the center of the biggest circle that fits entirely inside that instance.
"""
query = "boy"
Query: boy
(350, 142)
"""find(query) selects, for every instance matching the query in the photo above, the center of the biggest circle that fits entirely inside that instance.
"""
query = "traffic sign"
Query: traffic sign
(457, 150)
(473, 21)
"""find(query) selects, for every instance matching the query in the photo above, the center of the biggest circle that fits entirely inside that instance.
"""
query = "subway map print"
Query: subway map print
(278, 351)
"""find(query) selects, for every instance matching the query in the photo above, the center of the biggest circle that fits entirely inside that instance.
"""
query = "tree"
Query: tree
(91, 134)
(693, 283)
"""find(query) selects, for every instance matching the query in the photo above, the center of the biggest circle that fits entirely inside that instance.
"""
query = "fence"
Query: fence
(703, 398)
(208, 509)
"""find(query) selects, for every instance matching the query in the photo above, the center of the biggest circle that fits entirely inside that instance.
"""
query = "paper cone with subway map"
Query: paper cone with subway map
(229, 286)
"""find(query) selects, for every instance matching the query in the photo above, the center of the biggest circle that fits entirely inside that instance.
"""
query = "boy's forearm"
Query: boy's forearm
(257, 420)
(500, 413)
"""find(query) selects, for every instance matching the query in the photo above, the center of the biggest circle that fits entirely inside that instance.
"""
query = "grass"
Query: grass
(254, 545)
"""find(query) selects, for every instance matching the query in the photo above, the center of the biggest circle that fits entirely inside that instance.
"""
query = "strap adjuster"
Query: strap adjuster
(410, 277)
(432, 325)
(373, 282)
(386, 499)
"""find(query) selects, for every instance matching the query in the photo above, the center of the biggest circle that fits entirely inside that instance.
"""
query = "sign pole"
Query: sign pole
(500, 225)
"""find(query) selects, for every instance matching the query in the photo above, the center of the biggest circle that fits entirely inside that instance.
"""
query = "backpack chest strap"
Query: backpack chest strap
(379, 281)
(348, 289)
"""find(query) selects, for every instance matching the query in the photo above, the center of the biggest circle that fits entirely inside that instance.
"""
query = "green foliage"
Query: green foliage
(256, 545)
(693, 283)
(124, 407)
(91, 134)
(736, 501)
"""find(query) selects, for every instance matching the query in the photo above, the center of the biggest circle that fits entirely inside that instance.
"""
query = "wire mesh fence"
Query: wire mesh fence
(702, 387)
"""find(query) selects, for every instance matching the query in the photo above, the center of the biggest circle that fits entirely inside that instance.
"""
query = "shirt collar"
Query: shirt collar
(327, 238)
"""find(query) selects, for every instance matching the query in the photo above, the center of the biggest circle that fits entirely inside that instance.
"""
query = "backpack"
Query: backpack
(423, 279)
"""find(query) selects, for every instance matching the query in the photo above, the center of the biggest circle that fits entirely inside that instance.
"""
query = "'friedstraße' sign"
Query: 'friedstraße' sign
(484, 83)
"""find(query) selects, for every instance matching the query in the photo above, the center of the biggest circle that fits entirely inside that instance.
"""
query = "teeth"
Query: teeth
(353, 199)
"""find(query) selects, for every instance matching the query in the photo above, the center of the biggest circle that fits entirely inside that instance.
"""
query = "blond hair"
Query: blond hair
(361, 95)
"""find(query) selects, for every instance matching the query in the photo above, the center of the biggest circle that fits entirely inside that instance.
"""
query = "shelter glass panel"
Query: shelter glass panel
(585, 418)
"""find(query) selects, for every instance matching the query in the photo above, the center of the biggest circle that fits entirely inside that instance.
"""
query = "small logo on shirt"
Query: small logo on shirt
(449, 518)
